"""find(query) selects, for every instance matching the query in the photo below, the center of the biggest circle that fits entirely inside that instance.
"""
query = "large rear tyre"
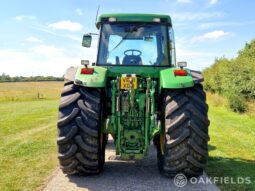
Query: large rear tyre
(81, 145)
(183, 144)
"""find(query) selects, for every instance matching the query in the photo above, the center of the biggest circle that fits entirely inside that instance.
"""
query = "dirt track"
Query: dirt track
(123, 175)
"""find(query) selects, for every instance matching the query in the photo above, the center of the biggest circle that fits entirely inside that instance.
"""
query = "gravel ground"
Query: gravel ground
(124, 175)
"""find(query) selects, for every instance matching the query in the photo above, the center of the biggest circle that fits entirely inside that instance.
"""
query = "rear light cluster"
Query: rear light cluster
(180, 73)
(87, 70)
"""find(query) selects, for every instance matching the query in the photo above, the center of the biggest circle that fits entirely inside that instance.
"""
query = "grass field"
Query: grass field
(28, 137)
(28, 134)
(232, 145)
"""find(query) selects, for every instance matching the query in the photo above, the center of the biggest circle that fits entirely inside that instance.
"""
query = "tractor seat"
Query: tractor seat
(132, 60)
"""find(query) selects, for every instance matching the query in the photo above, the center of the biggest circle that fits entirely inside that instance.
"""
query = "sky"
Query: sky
(44, 37)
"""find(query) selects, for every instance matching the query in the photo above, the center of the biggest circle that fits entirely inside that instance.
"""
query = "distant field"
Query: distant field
(28, 137)
(23, 91)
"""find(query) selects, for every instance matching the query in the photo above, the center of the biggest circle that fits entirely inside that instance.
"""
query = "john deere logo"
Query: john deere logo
(180, 180)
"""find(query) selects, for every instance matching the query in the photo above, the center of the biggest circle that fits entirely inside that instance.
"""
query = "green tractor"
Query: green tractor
(137, 93)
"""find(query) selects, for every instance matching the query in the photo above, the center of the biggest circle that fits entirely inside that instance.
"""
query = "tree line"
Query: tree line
(7, 78)
(234, 78)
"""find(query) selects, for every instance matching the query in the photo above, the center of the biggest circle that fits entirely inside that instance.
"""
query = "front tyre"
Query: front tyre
(81, 145)
(183, 143)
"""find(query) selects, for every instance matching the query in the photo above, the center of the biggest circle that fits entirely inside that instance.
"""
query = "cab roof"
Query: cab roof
(133, 17)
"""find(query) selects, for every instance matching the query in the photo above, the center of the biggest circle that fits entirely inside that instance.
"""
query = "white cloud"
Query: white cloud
(37, 61)
(183, 52)
(78, 12)
(189, 16)
(72, 37)
(18, 18)
(69, 36)
(197, 60)
(212, 2)
(44, 29)
(189, 49)
(213, 35)
(47, 50)
(33, 39)
(22, 17)
(66, 25)
(228, 24)
(184, 1)
(44, 59)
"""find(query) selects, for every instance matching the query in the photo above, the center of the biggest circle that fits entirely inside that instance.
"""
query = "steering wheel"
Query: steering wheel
(132, 50)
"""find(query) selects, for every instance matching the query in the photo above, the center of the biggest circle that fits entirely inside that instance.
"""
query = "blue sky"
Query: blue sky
(44, 37)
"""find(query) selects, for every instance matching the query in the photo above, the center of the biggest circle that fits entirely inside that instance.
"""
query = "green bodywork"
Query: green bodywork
(165, 75)
(132, 117)
(169, 80)
(97, 79)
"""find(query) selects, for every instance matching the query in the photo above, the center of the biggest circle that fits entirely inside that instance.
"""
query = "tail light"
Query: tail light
(180, 73)
(87, 70)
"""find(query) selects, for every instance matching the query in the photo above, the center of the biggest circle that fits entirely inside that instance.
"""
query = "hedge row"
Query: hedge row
(7, 78)
(234, 78)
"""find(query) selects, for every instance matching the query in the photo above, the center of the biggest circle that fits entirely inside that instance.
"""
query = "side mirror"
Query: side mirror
(182, 64)
(86, 41)
(85, 63)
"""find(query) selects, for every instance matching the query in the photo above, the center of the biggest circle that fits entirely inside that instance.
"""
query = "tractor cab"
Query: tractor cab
(134, 40)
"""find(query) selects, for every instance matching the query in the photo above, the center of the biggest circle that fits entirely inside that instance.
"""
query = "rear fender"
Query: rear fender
(97, 79)
(169, 81)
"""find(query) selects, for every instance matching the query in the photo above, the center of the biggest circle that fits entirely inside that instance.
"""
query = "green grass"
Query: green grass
(232, 150)
(28, 137)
